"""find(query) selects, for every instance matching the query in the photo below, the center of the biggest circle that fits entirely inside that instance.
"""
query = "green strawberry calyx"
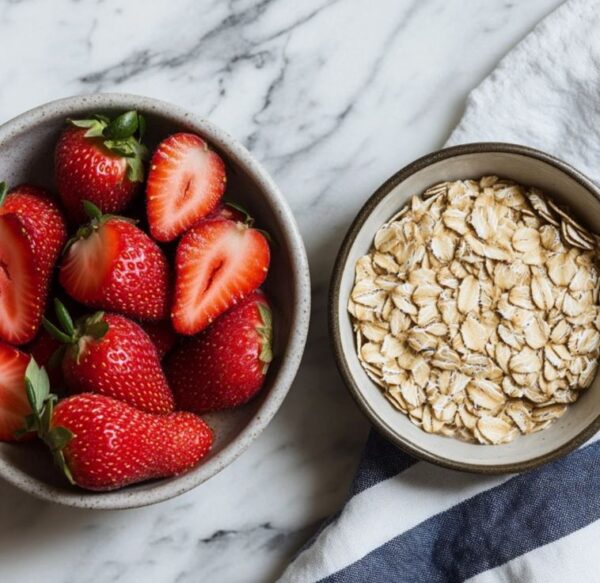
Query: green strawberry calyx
(122, 135)
(3, 192)
(74, 335)
(42, 401)
(265, 333)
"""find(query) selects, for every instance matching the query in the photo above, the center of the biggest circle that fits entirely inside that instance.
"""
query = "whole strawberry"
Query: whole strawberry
(218, 263)
(100, 160)
(14, 406)
(111, 355)
(112, 265)
(225, 365)
(32, 234)
(104, 444)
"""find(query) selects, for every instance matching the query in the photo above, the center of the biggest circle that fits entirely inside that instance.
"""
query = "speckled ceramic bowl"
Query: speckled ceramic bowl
(27, 145)
(527, 166)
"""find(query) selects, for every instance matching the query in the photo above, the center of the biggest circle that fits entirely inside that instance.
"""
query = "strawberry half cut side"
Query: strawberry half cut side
(32, 233)
(185, 183)
(217, 264)
(20, 284)
(14, 406)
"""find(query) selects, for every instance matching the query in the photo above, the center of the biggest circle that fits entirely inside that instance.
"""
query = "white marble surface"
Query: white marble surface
(333, 96)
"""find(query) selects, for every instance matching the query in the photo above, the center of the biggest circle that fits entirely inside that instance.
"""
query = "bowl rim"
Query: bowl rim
(163, 490)
(341, 264)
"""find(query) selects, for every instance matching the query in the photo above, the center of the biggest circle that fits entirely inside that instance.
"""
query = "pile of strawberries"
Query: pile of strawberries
(178, 326)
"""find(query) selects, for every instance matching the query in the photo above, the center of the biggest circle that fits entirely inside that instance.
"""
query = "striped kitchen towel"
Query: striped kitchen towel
(409, 521)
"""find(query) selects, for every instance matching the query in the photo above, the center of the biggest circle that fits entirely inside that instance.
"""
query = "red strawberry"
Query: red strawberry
(224, 366)
(161, 334)
(113, 356)
(14, 406)
(103, 444)
(217, 263)
(32, 233)
(185, 183)
(100, 160)
(113, 265)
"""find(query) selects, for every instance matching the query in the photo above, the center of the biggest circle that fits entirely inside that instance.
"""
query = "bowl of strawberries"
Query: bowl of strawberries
(154, 300)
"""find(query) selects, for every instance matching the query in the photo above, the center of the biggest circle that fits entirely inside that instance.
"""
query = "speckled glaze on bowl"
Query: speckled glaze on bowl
(527, 166)
(27, 146)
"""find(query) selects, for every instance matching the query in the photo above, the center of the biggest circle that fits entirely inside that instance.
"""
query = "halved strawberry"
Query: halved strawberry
(32, 233)
(19, 309)
(14, 406)
(217, 263)
(185, 183)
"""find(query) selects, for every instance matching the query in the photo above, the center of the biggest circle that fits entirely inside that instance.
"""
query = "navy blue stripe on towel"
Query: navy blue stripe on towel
(495, 526)
(380, 460)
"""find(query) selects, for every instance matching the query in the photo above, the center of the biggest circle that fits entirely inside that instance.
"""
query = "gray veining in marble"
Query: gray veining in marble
(333, 96)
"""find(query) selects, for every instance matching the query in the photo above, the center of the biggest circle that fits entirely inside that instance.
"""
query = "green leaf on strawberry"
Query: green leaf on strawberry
(41, 401)
(37, 386)
(64, 317)
(73, 334)
(123, 126)
(95, 127)
(266, 335)
(3, 192)
(123, 136)
(91, 210)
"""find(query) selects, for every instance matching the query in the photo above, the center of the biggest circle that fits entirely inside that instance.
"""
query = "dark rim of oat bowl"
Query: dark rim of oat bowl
(334, 292)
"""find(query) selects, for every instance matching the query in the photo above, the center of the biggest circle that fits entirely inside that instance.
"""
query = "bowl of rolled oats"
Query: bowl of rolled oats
(465, 309)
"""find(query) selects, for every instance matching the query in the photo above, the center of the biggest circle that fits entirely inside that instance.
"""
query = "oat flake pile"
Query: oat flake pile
(476, 312)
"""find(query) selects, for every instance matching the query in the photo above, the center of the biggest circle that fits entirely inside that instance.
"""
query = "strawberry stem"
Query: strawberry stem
(3, 192)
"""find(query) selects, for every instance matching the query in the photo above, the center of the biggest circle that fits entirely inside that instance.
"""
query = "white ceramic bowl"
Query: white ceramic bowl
(527, 166)
(27, 146)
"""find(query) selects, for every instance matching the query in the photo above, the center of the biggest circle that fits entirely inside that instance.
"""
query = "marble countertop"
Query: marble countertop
(333, 96)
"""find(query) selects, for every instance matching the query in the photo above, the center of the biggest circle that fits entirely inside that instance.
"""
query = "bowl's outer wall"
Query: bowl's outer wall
(27, 145)
(526, 166)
